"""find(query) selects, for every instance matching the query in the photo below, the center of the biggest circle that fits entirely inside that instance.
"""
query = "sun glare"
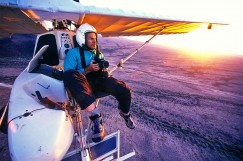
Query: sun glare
(221, 40)
(226, 40)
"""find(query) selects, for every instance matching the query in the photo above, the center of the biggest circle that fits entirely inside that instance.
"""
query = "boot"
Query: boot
(97, 127)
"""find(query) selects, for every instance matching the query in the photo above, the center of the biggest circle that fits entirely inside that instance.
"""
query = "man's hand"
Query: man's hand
(92, 67)
(106, 72)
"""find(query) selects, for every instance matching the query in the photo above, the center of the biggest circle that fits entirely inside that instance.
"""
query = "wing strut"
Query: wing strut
(122, 61)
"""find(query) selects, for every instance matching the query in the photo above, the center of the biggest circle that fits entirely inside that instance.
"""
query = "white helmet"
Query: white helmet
(82, 30)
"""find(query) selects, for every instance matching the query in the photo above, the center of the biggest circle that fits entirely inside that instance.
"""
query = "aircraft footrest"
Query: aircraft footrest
(104, 148)
(107, 149)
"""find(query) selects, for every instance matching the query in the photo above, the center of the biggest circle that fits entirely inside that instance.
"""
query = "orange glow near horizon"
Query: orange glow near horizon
(226, 40)
(220, 40)
(204, 43)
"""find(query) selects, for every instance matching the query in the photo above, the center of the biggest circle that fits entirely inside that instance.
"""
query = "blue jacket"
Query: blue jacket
(73, 59)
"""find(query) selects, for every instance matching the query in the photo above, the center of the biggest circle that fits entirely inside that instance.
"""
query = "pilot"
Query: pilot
(85, 73)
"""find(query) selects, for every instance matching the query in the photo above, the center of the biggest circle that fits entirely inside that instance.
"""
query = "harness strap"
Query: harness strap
(81, 52)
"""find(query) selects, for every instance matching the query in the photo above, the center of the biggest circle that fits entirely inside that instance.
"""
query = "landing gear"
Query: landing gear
(107, 149)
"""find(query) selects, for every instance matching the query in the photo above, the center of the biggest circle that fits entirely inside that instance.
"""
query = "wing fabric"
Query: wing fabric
(107, 20)
(13, 20)
(108, 25)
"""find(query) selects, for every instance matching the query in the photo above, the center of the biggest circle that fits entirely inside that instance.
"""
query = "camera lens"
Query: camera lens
(105, 64)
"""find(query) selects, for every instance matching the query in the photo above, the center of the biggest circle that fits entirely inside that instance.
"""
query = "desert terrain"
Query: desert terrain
(185, 108)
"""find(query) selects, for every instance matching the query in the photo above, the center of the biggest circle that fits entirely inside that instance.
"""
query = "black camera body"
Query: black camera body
(102, 63)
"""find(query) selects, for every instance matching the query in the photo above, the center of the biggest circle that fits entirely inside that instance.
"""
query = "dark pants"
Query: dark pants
(83, 89)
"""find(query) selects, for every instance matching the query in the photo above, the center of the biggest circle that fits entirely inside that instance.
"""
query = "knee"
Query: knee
(85, 100)
(127, 91)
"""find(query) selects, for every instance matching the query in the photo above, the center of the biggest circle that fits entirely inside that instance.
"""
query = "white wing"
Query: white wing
(22, 17)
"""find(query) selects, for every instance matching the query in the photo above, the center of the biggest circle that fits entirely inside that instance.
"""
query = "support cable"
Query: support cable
(122, 61)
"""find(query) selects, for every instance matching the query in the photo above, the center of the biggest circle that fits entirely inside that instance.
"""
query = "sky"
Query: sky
(227, 40)
(222, 40)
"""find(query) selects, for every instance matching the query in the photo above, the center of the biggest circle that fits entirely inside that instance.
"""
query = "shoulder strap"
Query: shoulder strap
(97, 55)
(81, 52)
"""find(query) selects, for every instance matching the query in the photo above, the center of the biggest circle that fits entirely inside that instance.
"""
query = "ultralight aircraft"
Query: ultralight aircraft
(42, 119)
